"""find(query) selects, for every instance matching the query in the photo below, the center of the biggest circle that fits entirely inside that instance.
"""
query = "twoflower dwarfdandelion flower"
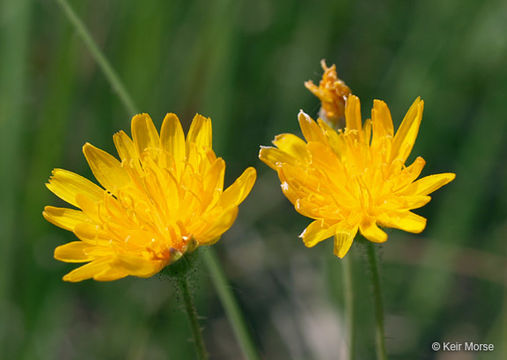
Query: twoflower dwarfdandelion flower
(356, 178)
(332, 92)
(163, 198)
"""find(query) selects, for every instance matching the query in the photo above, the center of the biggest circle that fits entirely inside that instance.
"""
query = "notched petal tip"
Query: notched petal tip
(171, 115)
(378, 102)
(200, 132)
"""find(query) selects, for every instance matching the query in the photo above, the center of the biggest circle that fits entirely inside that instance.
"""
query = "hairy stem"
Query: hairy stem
(192, 317)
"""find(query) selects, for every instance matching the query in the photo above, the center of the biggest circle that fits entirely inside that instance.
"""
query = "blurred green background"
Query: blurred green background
(243, 63)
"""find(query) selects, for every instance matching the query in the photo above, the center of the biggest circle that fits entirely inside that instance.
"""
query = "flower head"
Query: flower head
(332, 92)
(164, 198)
(355, 179)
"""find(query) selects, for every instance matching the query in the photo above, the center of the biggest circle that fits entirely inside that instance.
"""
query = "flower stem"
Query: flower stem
(99, 57)
(192, 317)
(377, 298)
(230, 305)
(348, 284)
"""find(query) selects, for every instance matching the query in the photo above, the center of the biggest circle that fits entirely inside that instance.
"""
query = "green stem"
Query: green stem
(349, 303)
(192, 317)
(230, 305)
(377, 298)
(99, 57)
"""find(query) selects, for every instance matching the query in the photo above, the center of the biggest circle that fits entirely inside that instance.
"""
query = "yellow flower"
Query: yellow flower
(332, 93)
(354, 179)
(164, 198)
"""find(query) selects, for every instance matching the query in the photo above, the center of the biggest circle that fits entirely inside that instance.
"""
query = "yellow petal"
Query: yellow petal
(73, 252)
(89, 207)
(65, 218)
(313, 207)
(106, 169)
(274, 157)
(292, 145)
(87, 271)
(366, 133)
(372, 232)
(407, 132)
(172, 138)
(353, 113)
(200, 132)
(138, 265)
(239, 190)
(66, 184)
(90, 234)
(144, 133)
(124, 146)
(316, 232)
(302, 184)
(403, 220)
(428, 184)
(292, 191)
(328, 163)
(216, 226)
(343, 240)
(311, 131)
(408, 202)
(110, 274)
(382, 121)
(410, 173)
(214, 178)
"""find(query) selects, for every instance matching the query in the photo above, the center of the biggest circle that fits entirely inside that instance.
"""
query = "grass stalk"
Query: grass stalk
(99, 57)
(348, 285)
(377, 299)
(230, 305)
